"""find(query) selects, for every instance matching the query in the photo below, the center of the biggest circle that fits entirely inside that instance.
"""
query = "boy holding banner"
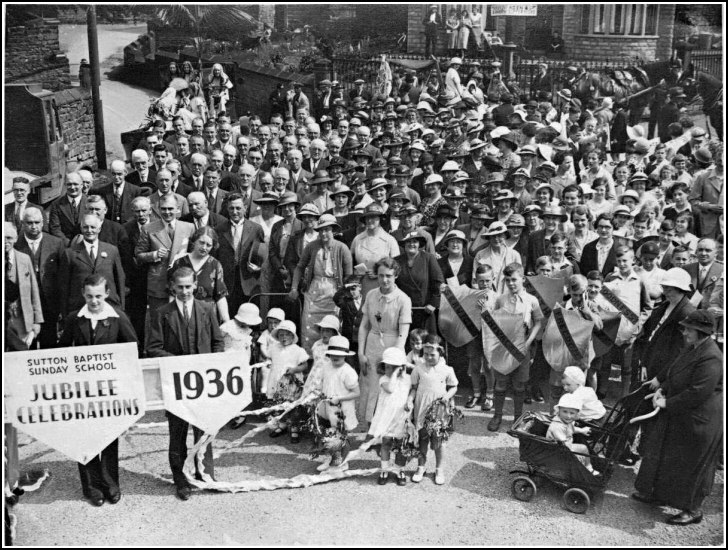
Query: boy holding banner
(508, 333)
(184, 326)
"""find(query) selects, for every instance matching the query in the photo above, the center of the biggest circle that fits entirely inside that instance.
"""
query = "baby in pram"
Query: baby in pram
(562, 428)
(573, 381)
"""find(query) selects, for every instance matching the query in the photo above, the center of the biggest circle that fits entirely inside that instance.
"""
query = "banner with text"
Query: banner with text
(206, 390)
(75, 400)
(529, 10)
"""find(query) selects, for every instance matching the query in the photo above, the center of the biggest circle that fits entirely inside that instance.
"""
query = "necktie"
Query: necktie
(187, 314)
(170, 232)
(92, 254)
(74, 210)
(236, 242)
(116, 212)
(703, 276)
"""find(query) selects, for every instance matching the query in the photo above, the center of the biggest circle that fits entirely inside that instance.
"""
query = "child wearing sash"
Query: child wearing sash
(516, 300)
(478, 366)
(626, 293)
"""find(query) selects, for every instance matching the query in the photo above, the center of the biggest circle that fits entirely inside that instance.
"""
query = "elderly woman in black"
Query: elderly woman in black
(420, 279)
(683, 448)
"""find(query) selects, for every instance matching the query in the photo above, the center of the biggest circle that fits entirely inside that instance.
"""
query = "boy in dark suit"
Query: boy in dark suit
(184, 326)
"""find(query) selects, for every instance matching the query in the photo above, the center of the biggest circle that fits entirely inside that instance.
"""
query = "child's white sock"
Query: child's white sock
(385, 466)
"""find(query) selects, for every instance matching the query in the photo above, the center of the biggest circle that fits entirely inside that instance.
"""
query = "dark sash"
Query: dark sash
(631, 316)
(459, 311)
(512, 349)
(566, 335)
(541, 302)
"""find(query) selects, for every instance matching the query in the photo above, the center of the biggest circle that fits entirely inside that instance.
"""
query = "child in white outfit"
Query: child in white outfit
(390, 415)
(591, 408)
(275, 317)
(562, 428)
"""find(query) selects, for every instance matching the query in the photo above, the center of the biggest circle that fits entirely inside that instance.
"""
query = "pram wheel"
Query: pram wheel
(523, 488)
(576, 501)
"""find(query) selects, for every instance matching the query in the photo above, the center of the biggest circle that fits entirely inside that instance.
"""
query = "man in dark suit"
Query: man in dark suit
(317, 160)
(600, 254)
(111, 232)
(670, 112)
(143, 175)
(215, 196)
(136, 272)
(184, 326)
(299, 177)
(45, 251)
(200, 214)
(280, 236)
(118, 194)
(14, 211)
(178, 185)
(66, 211)
(237, 238)
(244, 187)
(432, 23)
(706, 272)
(86, 258)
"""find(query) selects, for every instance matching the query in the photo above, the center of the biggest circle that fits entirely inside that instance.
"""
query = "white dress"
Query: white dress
(432, 383)
(389, 417)
(282, 358)
(314, 380)
(338, 382)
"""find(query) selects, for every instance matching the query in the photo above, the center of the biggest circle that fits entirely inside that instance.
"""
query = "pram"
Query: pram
(548, 459)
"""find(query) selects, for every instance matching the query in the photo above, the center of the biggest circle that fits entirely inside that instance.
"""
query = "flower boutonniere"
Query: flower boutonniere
(713, 278)
(104, 255)
(105, 323)
(378, 317)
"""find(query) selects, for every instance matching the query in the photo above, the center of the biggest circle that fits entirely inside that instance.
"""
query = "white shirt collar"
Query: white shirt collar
(181, 305)
(106, 312)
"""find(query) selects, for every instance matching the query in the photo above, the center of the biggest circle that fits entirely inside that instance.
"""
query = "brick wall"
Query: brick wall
(585, 47)
(75, 110)
(33, 54)
(254, 84)
(416, 31)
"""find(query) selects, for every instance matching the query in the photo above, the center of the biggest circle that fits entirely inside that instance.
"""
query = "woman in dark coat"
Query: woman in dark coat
(420, 279)
(456, 259)
(95, 324)
(682, 449)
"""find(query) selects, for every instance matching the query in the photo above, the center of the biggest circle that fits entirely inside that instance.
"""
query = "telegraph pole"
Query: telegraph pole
(93, 52)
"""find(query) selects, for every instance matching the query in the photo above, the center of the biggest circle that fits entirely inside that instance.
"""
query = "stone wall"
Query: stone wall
(75, 110)
(33, 54)
(253, 86)
(648, 48)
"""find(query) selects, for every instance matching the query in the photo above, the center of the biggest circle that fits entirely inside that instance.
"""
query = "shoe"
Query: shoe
(487, 404)
(629, 459)
(401, 479)
(383, 478)
(528, 400)
(439, 477)
(184, 493)
(113, 499)
(96, 501)
(538, 397)
(238, 422)
(295, 437)
(642, 497)
(471, 402)
(495, 423)
(418, 475)
(686, 518)
(277, 432)
(324, 465)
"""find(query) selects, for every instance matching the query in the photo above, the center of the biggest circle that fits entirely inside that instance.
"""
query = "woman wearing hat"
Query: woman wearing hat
(324, 265)
(452, 25)
(517, 237)
(321, 195)
(372, 244)
(480, 218)
(683, 448)
(432, 200)
(457, 264)
(445, 218)
(347, 220)
(308, 217)
(420, 278)
(497, 254)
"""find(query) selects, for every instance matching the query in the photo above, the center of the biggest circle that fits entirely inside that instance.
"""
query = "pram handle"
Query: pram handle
(644, 416)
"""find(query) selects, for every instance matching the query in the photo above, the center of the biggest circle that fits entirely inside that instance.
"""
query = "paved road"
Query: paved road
(474, 507)
(124, 105)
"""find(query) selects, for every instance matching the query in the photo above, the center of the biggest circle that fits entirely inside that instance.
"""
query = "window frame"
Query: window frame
(619, 20)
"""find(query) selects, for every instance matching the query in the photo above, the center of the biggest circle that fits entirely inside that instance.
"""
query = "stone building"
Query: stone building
(589, 31)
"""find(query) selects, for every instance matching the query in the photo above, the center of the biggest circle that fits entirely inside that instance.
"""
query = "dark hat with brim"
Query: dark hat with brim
(444, 211)
(267, 198)
(415, 236)
(701, 320)
(322, 176)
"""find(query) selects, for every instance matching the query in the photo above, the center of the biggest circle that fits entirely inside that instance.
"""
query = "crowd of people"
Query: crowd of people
(322, 245)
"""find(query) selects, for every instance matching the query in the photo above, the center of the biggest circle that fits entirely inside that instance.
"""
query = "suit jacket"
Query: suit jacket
(136, 272)
(130, 192)
(153, 238)
(213, 220)
(590, 256)
(29, 290)
(182, 188)
(399, 234)
(60, 219)
(658, 344)
(230, 181)
(706, 286)
(536, 248)
(49, 260)
(296, 184)
(216, 205)
(274, 252)
(10, 214)
(252, 234)
(182, 207)
(151, 182)
(114, 330)
(706, 188)
(465, 275)
(114, 233)
(76, 265)
(165, 335)
(308, 165)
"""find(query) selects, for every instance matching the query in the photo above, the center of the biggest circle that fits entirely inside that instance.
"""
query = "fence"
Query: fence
(708, 61)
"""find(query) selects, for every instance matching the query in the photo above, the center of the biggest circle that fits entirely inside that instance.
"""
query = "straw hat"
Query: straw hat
(327, 220)
(496, 228)
(308, 209)
(339, 346)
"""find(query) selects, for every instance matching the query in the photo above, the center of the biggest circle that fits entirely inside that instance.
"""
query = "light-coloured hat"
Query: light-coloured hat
(450, 165)
(575, 374)
(329, 321)
(455, 234)
(249, 314)
(327, 220)
(339, 345)
(394, 356)
(636, 132)
(496, 228)
(434, 178)
(631, 193)
(570, 401)
(286, 325)
(456, 61)
(678, 278)
(586, 189)
(276, 313)
(309, 209)
(621, 209)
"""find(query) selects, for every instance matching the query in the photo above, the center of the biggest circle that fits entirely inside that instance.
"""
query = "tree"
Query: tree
(207, 21)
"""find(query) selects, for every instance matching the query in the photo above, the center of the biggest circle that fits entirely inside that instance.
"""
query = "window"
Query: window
(487, 22)
(619, 19)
